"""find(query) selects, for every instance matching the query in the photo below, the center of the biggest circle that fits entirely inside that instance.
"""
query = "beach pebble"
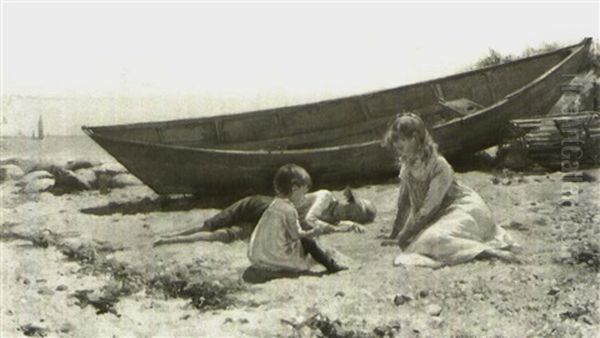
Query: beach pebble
(435, 322)
(66, 327)
(402, 299)
(566, 203)
(39, 185)
(46, 291)
(390, 330)
(10, 172)
(124, 180)
(32, 330)
(518, 226)
(433, 309)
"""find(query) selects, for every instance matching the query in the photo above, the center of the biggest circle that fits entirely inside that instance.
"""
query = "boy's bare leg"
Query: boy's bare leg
(503, 255)
(187, 232)
(216, 236)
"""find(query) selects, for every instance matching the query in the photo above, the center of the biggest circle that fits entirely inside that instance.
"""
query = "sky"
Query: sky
(118, 62)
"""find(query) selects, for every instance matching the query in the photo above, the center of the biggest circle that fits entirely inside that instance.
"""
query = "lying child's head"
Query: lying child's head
(290, 177)
(355, 209)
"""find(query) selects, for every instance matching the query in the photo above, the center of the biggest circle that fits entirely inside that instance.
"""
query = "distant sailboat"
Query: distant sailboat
(40, 130)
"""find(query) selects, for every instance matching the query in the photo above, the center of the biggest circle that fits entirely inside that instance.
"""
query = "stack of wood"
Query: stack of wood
(564, 142)
(581, 93)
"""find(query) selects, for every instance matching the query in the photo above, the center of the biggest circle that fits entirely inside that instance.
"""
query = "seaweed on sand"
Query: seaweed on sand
(168, 281)
(188, 283)
(323, 326)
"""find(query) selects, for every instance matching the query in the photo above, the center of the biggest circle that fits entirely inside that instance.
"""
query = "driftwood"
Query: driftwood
(561, 142)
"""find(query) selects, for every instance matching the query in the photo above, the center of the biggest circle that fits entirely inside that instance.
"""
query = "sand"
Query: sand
(554, 292)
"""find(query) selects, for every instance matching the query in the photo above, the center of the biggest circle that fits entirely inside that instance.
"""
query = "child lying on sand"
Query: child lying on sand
(238, 220)
(278, 243)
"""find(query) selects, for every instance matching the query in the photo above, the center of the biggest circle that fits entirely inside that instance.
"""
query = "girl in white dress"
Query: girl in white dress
(439, 221)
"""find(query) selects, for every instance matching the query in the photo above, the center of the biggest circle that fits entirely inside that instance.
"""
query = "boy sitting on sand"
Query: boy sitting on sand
(278, 243)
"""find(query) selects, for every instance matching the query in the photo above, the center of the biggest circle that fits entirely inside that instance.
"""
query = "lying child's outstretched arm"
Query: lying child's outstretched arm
(323, 199)
(316, 231)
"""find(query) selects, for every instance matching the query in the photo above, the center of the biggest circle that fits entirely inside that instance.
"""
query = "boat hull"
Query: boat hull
(208, 157)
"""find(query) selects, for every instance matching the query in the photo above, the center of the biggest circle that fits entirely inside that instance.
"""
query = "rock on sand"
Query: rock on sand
(88, 176)
(10, 172)
(39, 185)
(111, 169)
(67, 181)
(124, 180)
(36, 175)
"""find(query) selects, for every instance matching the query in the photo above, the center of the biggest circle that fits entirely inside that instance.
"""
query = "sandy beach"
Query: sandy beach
(91, 270)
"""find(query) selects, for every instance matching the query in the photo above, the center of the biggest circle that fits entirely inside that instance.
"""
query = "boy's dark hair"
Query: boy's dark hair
(288, 176)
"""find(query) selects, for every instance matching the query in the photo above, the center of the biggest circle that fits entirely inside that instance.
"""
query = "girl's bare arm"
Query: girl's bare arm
(402, 211)
(438, 187)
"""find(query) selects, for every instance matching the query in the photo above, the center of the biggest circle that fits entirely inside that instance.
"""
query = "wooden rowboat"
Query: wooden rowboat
(337, 141)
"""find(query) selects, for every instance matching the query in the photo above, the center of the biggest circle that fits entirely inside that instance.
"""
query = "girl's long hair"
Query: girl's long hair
(411, 125)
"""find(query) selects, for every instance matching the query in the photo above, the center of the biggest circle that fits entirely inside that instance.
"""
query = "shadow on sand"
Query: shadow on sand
(159, 204)
(253, 275)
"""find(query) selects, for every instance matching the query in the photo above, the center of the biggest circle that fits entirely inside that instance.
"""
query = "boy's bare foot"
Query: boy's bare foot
(502, 255)
(159, 242)
(335, 267)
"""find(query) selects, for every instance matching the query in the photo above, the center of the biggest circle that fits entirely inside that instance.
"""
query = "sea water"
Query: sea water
(57, 149)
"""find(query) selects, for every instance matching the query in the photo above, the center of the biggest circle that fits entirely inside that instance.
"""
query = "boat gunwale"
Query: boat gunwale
(237, 151)
(576, 49)
(235, 115)
(476, 114)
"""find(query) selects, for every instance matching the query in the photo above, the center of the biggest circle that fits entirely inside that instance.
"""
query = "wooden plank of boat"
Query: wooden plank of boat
(336, 140)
